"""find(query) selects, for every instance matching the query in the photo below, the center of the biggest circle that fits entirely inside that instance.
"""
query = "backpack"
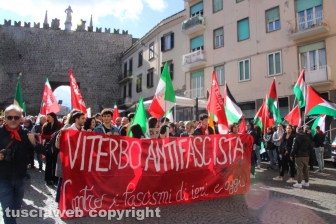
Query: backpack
(51, 148)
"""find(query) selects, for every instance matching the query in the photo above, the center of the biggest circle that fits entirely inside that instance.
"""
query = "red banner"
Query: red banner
(112, 172)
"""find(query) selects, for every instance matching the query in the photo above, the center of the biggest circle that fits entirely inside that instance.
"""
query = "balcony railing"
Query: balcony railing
(193, 93)
(193, 59)
(307, 25)
(318, 75)
(193, 24)
(125, 77)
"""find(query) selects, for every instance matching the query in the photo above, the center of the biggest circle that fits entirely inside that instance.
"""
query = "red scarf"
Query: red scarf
(14, 133)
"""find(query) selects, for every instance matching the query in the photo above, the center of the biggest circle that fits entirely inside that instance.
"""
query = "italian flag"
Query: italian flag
(164, 98)
(316, 105)
(319, 121)
(140, 118)
(294, 117)
(115, 113)
(272, 103)
(18, 99)
(299, 90)
(232, 110)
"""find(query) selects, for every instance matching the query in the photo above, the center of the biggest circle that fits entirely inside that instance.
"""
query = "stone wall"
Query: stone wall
(95, 59)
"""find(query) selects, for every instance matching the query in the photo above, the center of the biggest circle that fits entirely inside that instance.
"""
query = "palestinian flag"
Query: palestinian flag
(164, 98)
(299, 90)
(294, 117)
(263, 118)
(232, 110)
(18, 99)
(272, 103)
(316, 105)
(259, 117)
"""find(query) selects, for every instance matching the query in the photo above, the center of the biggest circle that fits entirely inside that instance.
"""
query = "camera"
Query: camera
(7, 155)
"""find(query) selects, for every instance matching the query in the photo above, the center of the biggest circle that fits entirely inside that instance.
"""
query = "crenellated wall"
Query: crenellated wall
(38, 53)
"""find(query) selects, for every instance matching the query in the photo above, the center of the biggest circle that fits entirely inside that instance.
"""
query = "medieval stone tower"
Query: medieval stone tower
(44, 52)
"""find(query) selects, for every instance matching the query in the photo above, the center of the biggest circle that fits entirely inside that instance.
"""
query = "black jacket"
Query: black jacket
(256, 140)
(198, 131)
(269, 141)
(287, 144)
(17, 167)
(318, 140)
(301, 146)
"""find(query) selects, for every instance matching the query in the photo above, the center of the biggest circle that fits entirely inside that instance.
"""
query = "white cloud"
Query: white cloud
(122, 9)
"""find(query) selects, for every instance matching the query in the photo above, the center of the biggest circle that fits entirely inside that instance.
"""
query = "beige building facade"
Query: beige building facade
(248, 43)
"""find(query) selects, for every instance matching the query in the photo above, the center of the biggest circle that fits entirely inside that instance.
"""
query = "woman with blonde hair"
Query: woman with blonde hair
(189, 129)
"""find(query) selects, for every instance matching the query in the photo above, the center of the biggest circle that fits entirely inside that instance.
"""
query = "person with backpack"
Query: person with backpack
(270, 147)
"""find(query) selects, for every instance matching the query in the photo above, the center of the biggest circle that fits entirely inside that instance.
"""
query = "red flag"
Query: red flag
(216, 105)
(294, 117)
(76, 97)
(115, 113)
(49, 102)
(242, 125)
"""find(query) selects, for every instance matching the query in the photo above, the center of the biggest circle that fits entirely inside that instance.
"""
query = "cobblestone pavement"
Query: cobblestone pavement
(267, 202)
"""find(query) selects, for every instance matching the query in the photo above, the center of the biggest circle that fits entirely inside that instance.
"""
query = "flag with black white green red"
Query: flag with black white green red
(299, 89)
(317, 105)
(272, 103)
(294, 116)
(232, 110)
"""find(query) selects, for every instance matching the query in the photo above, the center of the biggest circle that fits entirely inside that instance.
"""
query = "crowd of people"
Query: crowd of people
(291, 148)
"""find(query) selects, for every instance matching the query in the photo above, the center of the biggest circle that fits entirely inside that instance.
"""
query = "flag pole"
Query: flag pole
(309, 121)
(330, 130)
(264, 125)
(175, 113)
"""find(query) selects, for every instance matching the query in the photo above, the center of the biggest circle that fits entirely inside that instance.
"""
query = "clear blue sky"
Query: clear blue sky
(136, 16)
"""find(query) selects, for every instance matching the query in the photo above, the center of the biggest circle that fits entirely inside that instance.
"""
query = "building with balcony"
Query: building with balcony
(248, 44)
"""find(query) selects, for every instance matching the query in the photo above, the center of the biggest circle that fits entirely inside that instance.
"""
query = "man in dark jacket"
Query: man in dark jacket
(318, 141)
(301, 150)
(204, 129)
(312, 157)
(15, 143)
(250, 130)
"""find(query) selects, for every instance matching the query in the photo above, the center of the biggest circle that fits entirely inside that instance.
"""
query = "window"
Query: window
(130, 89)
(313, 57)
(243, 29)
(309, 13)
(217, 5)
(283, 106)
(150, 78)
(125, 93)
(196, 10)
(167, 42)
(239, 1)
(273, 19)
(248, 110)
(244, 70)
(170, 69)
(140, 59)
(197, 84)
(274, 63)
(220, 74)
(130, 66)
(125, 69)
(197, 43)
(151, 51)
(139, 84)
(219, 38)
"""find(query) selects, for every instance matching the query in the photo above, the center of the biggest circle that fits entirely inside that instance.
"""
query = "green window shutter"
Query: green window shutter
(196, 8)
(218, 5)
(197, 42)
(306, 4)
(197, 74)
(247, 69)
(311, 47)
(218, 32)
(273, 14)
(243, 29)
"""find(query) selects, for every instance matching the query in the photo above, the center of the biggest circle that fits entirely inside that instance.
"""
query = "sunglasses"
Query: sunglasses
(15, 118)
